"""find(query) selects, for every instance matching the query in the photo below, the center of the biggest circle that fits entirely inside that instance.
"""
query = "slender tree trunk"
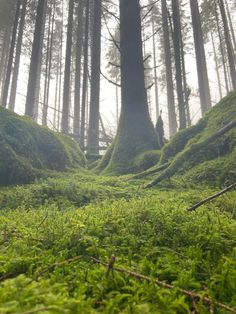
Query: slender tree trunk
(228, 44)
(93, 128)
(231, 27)
(169, 75)
(5, 45)
(66, 89)
(221, 49)
(155, 71)
(11, 55)
(178, 68)
(216, 66)
(79, 45)
(46, 77)
(5, 62)
(203, 82)
(17, 58)
(35, 59)
(85, 78)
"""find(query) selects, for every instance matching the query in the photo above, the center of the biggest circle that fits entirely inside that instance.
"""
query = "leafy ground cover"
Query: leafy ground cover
(149, 231)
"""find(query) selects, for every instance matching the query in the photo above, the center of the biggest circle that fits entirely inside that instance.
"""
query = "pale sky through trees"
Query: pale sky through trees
(108, 90)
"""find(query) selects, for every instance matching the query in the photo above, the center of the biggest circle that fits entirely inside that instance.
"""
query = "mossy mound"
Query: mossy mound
(147, 160)
(28, 150)
(192, 155)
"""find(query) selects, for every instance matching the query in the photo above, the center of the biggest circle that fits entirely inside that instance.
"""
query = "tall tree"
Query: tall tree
(78, 63)
(203, 82)
(178, 64)
(168, 69)
(228, 44)
(93, 128)
(17, 57)
(136, 132)
(11, 55)
(35, 59)
(66, 91)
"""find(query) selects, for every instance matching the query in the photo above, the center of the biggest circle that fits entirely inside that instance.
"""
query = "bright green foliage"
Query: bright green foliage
(28, 150)
(213, 164)
(146, 160)
(148, 231)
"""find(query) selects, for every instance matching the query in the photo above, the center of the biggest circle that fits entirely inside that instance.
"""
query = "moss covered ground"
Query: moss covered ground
(28, 151)
(51, 228)
(149, 231)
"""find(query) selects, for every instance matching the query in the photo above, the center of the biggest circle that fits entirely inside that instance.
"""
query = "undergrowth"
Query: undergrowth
(149, 232)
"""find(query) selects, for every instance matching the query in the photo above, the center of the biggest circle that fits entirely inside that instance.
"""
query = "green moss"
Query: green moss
(146, 160)
(29, 150)
(135, 135)
(192, 154)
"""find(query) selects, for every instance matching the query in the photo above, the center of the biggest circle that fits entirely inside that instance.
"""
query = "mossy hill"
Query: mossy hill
(29, 151)
(192, 161)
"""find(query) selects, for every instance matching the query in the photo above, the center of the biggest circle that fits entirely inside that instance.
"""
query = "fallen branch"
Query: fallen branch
(185, 155)
(149, 171)
(162, 284)
(211, 197)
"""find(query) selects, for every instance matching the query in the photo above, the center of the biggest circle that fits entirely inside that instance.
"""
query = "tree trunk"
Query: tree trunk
(178, 68)
(136, 132)
(228, 44)
(17, 58)
(79, 45)
(66, 89)
(221, 49)
(5, 46)
(35, 59)
(85, 78)
(93, 129)
(155, 71)
(203, 82)
(169, 75)
(11, 55)
(216, 66)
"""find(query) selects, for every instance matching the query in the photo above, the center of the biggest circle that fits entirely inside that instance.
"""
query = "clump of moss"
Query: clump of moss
(191, 150)
(28, 150)
(147, 160)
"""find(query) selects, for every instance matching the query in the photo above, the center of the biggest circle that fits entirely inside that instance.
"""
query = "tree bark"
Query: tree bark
(203, 82)
(178, 67)
(66, 90)
(93, 128)
(169, 75)
(17, 58)
(228, 44)
(79, 45)
(35, 59)
(11, 55)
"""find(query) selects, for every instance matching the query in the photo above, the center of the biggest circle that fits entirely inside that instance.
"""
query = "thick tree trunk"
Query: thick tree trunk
(228, 44)
(79, 45)
(178, 67)
(11, 55)
(17, 58)
(66, 90)
(35, 59)
(203, 82)
(169, 75)
(136, 132)
(93, 129)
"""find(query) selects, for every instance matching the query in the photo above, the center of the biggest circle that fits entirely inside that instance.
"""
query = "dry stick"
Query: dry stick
(44, 270)
(162, 284)
(194, 148)
(149, 171)
(211, 197)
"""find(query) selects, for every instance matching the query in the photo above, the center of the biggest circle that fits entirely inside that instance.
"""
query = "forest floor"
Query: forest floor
(51, 230)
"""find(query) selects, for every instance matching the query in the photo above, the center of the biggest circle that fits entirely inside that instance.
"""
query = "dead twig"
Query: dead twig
(208, 199)
(162, 284)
